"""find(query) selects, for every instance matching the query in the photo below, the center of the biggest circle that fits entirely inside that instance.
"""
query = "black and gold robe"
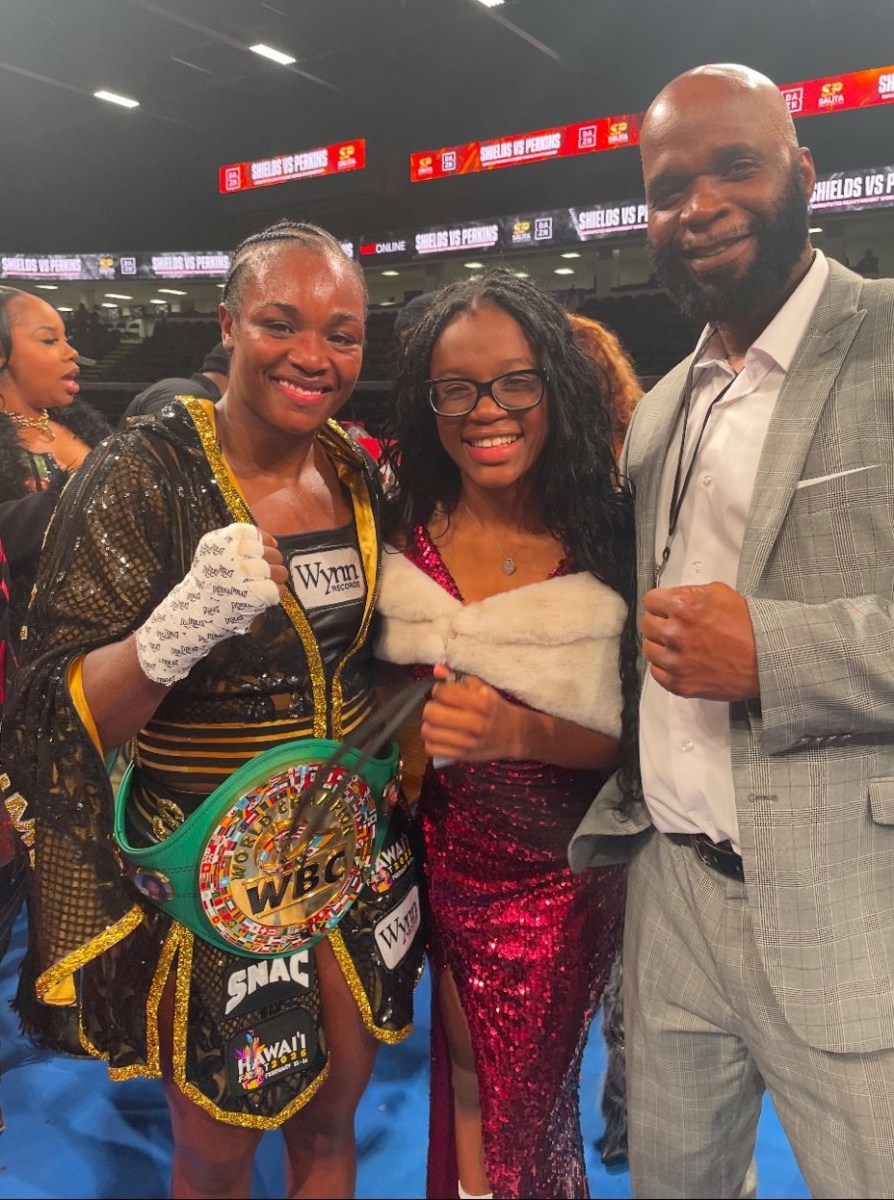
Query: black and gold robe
(124, 534)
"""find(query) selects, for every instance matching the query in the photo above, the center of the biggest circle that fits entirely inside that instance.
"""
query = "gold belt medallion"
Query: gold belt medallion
(267, 891)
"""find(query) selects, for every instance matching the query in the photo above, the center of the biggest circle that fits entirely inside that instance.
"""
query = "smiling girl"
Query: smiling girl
(517, 549)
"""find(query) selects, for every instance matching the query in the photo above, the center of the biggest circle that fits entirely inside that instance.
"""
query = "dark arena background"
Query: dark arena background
(434, 138)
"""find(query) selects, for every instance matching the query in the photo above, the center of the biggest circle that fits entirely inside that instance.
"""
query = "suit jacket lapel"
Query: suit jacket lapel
(793, 425)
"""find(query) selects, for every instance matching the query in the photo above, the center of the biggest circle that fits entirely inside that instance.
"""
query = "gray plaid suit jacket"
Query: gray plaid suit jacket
(813, 759)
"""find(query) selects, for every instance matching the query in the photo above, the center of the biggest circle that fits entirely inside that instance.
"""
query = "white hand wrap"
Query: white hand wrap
(228, 585)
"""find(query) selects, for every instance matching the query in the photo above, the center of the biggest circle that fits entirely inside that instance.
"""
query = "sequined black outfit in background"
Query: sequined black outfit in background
(29, 489)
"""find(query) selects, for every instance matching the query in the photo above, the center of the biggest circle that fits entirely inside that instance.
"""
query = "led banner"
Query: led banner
(558, 227)
(50, 266)
(563, 141)
(468, 237)
(393, 248)
(200, 264)
(608, 220)
(174, 264)
(569, 226)
(865, 188)
(854, 191)
(325, 160)
(164, 264)
(834, 93)
(839, 93)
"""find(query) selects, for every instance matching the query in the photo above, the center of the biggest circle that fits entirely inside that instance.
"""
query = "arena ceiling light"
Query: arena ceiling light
(169, 291)
(570, 254)
(391, 272)
(277, 56)
(490, 3)
(118, 296)
(564, 271)
(474, 266)
(815, 229)
(114, 98)
(47, 287)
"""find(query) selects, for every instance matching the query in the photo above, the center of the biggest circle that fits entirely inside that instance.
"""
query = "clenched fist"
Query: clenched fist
(699, 642)
(236, 573)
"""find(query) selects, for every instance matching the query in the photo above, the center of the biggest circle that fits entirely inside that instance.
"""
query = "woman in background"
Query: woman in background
(46, 432)
(45, 435)
(513, 581)
(619, 386)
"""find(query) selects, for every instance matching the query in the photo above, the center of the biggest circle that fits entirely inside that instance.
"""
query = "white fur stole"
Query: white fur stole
(552, 644)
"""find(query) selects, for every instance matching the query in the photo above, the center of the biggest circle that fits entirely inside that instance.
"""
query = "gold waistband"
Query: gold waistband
(197, 758)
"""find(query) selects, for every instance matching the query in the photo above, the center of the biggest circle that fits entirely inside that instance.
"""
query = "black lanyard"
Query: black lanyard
(681, 481)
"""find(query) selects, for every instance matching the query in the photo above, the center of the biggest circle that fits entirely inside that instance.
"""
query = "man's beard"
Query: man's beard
(724, 295)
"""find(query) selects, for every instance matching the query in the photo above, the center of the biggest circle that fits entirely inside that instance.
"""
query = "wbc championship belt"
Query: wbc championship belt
(274, 857)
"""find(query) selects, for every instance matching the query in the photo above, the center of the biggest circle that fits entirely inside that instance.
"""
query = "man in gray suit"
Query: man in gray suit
(759, 945)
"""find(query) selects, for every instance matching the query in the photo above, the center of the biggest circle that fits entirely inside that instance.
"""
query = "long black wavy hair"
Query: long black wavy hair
(584, 502)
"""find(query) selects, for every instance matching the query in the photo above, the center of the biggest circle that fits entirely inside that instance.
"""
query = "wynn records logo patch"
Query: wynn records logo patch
(326, 578)
(395, 931)
(269, 1051)
(268, 893)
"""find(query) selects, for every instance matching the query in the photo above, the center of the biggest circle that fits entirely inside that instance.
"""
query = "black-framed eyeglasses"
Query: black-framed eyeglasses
(515, 391)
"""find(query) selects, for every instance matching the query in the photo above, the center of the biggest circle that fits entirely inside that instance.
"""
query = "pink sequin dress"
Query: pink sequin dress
(530, 947)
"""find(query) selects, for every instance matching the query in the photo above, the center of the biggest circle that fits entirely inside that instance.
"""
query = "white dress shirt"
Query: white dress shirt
(685, 744)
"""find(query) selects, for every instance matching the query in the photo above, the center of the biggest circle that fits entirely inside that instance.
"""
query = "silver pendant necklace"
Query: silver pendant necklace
(508, 564)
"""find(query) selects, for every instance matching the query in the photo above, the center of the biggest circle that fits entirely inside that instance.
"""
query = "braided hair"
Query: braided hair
(584, 502)
(259, 247)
